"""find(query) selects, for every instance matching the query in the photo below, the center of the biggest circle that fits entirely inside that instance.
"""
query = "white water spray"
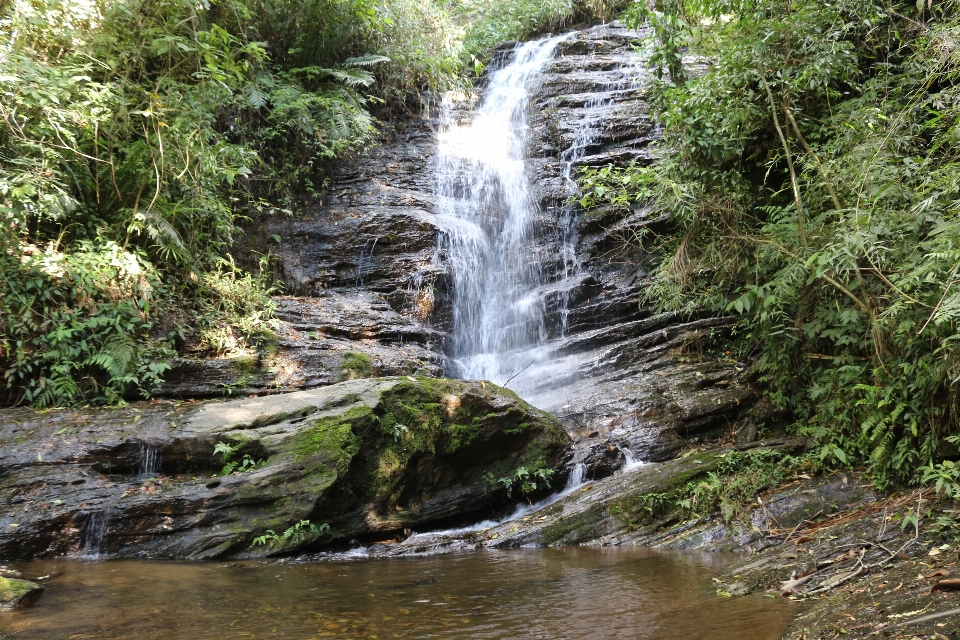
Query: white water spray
(488, 217)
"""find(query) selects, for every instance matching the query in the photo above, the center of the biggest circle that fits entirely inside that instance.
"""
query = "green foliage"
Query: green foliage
(295, 534)
(730, 488)
(492, 23)
(227, 452)
(737, 481)
(811, 176)
(527, 481)
(72, 325)
(234, 308)
(945, 475)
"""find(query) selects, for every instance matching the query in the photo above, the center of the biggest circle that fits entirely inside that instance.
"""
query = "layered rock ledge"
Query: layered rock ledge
(363, 458)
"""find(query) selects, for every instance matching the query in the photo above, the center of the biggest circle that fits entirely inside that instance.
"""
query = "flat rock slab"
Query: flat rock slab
(362, 458)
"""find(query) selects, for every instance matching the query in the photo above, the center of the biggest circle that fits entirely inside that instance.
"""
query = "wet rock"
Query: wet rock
(361, 458)
(615, 510)
(318, 341)
(15, 592)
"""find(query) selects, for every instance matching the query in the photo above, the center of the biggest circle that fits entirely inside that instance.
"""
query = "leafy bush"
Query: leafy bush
(297, 534)
(812, 174)
(72, 325)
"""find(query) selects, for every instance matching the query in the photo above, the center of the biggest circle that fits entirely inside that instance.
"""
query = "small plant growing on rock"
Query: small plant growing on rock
(398, 431)
(526, 480)
(297, 534)
(227, 451)
(946, 474)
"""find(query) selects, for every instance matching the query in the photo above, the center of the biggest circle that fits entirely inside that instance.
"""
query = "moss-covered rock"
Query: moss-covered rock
(363, 458)
(14, 592)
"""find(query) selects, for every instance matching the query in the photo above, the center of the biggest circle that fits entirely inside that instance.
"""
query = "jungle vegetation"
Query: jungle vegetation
(811, 167)
(137, 135)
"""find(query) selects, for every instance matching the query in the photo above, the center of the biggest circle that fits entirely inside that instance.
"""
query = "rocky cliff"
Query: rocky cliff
(373, 291)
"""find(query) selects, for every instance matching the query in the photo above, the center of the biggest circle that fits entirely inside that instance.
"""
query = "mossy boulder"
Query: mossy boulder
(361, 459)
(14, 592)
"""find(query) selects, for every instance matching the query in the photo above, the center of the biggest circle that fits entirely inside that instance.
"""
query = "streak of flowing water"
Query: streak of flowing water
(149, 461)
(488, 218)
(630, 461)
(94, 532)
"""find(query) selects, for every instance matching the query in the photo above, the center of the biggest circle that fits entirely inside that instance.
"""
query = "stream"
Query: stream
(627, 592)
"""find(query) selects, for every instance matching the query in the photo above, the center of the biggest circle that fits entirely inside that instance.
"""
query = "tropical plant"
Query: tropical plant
(811, 177)
(295, 534)
(227, 453)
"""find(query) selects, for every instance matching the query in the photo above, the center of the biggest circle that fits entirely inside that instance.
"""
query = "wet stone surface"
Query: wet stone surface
(369, 278)
(362, 458)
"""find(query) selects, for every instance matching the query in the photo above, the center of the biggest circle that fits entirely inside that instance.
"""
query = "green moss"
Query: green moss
(334, 439)
(559, 532)
(223, 547)
(355, 365)
(246, 364)
(461, 435)
(12, 589)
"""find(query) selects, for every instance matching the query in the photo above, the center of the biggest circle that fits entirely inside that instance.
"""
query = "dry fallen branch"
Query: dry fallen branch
(946, 585)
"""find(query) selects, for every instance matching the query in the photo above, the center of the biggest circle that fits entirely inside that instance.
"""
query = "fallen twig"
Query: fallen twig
(836, 583)
(946, 585)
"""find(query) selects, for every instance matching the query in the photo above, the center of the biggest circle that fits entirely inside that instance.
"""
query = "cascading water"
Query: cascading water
(94, 531)
(504, 261)
(488, 218)
(149, 461)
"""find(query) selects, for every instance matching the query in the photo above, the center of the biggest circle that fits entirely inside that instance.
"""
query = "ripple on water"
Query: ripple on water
(525, 593)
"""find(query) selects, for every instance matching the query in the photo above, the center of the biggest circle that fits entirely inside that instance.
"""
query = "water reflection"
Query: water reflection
(525, 593)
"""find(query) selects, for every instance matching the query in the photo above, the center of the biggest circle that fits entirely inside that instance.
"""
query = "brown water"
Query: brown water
(527, 593)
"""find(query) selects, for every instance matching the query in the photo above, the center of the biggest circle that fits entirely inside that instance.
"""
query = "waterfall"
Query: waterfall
(487, 214)
(149, 461)
(94, 531)
(513, 266)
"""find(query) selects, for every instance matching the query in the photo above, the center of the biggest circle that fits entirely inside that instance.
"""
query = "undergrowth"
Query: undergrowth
(137, 136)
(811, 175)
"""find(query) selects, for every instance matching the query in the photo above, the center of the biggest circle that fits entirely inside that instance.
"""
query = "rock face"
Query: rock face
(360, 263)
(363, 458)
(15, 592)
(320, 340)
(638, 507)
(374, 291)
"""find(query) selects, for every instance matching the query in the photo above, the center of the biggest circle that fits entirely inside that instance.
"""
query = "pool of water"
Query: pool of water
(523, 593)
